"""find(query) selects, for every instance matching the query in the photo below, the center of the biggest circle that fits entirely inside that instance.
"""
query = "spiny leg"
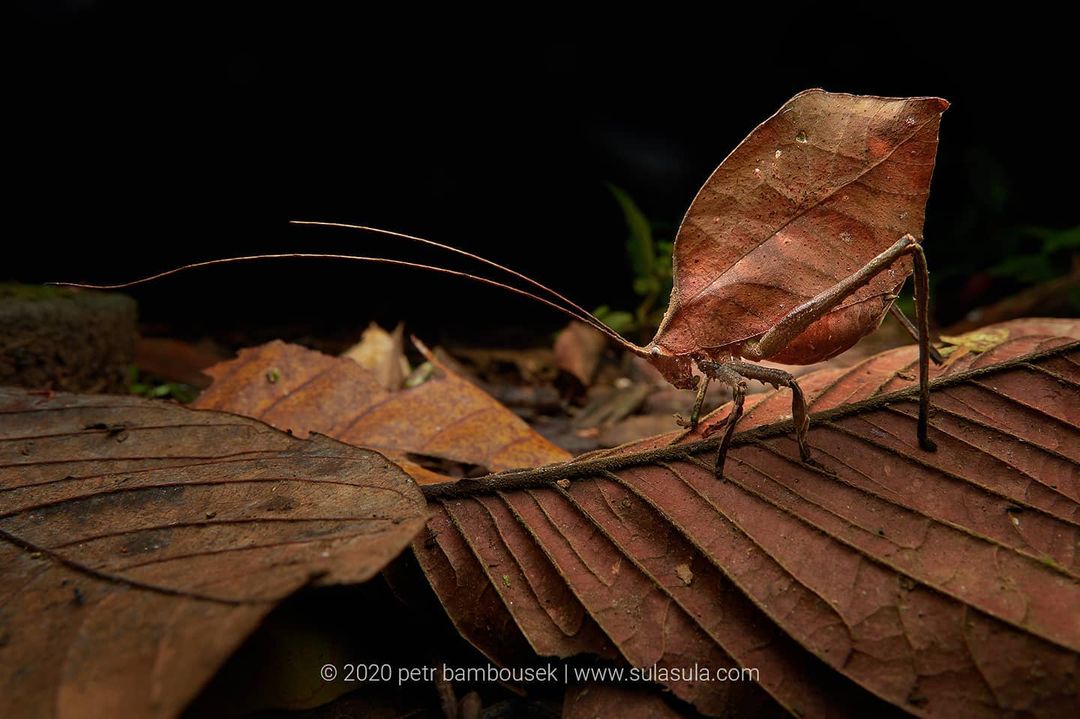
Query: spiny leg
(738, 394)
(800, 415)
(796, 321)
(922, 312)
(913, 332)
(725, 373)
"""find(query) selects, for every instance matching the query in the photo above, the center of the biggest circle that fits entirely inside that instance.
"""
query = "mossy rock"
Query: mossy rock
(60, 339)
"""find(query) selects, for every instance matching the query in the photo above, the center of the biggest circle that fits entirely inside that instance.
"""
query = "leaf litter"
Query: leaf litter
(881, 579)
(884, 578)
(878, 578)
(445, 417)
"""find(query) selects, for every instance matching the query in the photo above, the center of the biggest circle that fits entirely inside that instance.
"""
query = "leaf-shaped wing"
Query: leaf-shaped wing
(813, 194)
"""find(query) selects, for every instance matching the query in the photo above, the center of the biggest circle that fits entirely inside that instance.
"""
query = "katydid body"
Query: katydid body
(793, 250)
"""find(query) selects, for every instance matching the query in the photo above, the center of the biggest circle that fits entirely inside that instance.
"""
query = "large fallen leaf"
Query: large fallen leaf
(302, 391)
(141, 542)
(887, 578)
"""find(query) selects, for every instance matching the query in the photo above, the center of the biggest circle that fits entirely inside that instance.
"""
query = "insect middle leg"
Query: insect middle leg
(913, 332)
(796, 321)
(725, 372)
(778, 378)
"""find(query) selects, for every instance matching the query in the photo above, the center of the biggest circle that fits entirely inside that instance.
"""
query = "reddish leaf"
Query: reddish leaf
(888, 576)
(813, 194)
(303, 391)
(553, 621)
(897, 369)
(472, 602)
(142, 542)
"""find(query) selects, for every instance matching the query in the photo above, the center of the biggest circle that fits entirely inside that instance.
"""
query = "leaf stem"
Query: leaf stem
(604, 461)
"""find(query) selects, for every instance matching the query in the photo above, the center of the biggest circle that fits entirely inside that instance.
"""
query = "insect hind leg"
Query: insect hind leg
(798, 319)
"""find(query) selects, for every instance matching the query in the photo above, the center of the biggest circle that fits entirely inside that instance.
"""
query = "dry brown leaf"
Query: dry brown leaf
(940, 584)
(383, 354)
(304, 391)
(578, 349)
(142, 542)
(553, 621)
(473, 603)
(885, 580)
(175, 360)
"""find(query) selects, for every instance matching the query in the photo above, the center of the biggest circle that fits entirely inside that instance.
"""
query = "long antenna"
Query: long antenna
(583, 314)
(357, 258)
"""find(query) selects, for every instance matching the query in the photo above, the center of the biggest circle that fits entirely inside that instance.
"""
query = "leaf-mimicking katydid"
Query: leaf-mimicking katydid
(793, 250)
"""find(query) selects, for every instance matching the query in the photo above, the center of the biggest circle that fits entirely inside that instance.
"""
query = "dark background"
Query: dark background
(139, 138)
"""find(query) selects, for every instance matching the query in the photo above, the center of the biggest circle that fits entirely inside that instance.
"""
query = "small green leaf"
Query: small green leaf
(162, 390)
(645, 286)
(639, 245)
(1057, 240)
(621, 322)
(146, 386)
(1029, 269)
(420, 375)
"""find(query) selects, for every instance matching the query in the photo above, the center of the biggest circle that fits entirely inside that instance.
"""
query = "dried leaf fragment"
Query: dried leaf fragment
(578, 350)
(383, 354)
(446, 417)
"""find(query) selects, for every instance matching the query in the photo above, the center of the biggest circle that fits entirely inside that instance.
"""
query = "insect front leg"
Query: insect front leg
(695, 411)
(796, 321)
